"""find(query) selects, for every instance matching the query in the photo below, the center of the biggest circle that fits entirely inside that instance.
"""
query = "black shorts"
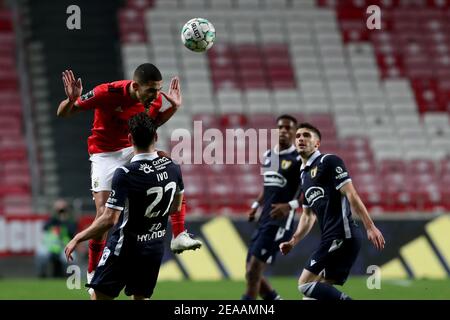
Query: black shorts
(265, 242)
(136, 271)
(334, 259)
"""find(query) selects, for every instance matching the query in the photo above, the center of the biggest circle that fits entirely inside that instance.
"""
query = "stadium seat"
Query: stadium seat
(380, 98)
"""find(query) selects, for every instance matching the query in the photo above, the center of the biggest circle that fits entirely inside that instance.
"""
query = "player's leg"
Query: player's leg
(103, 166)
(97, 295)
(143, 269)
(110, 275)
(315, 287)
(280, 234)
(329, 265)
(97, 245)
(181, 240)
(266, 291)
(255, 269)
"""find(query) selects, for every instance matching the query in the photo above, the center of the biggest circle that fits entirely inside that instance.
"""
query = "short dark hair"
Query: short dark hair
(306, 125)
(287, 117)
(147, 72)
(142, 129)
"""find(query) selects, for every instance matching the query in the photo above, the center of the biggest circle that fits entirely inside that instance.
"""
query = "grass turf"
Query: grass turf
(55, 289)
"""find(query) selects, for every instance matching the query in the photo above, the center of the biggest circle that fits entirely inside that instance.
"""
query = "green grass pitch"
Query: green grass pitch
(34, 289)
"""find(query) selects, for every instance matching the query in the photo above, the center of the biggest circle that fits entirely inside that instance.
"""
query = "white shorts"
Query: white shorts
(103, 166)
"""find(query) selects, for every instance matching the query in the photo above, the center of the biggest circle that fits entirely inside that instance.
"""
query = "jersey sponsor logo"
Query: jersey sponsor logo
(112, 200)
(339, 170)
(87, 95)
(285, 164)
(274, 179)
(161, 163)
(314, 172)
(151, 236)
(313, 194)
(341, 175)
(146, 168)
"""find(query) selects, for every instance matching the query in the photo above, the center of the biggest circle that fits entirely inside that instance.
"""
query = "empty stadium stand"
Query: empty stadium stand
(15, 186)
(92, 54)
(381, 98)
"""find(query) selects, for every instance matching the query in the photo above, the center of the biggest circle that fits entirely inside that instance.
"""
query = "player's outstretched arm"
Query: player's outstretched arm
(174, 98)
(99, 227)
(358, 207)
(73, 89)
(307, 220)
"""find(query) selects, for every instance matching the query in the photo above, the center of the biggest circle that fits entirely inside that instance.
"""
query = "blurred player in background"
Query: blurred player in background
(109, 148)
(330, 197)
(57, 232)
(143, 194)
(274, 226)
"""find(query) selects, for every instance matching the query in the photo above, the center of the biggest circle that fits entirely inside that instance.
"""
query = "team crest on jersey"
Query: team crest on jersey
(87, 95)
(314, 172)
(96, 182)
(285, 164)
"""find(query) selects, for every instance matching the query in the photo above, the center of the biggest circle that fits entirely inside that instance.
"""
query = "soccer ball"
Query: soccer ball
(198, 35)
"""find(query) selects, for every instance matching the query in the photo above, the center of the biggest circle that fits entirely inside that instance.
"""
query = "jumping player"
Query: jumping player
(143, 194)
(273, 227)
(109, 148)
(330, 197)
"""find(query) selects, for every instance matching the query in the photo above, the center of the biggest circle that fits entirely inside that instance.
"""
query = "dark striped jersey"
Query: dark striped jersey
(322, 177)
(144, 191)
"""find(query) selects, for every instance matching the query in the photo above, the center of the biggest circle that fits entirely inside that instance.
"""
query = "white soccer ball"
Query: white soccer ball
(198, 35)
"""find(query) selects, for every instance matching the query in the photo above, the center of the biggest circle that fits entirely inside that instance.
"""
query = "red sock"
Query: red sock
(95, 253)
(177, 220)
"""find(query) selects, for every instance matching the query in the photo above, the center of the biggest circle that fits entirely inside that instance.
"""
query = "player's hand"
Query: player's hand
(72, 87)
(376, 237)
(174, 94)
(286, 247)
(251, 214)
(163, 154)
(280, 210)
(70, 248)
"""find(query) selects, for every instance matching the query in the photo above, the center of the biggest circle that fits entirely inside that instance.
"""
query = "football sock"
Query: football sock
(322, 291)
(95, 253)
(247, 297)
(177, 220)
(272, 295)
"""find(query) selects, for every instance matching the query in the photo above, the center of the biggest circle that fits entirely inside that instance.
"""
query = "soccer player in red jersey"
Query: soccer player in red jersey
(108, 146)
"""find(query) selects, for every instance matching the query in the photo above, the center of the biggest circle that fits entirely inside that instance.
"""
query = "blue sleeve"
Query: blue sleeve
(338, 171)
(119, 190)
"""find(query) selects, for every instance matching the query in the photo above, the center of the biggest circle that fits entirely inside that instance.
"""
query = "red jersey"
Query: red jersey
(113, 107)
